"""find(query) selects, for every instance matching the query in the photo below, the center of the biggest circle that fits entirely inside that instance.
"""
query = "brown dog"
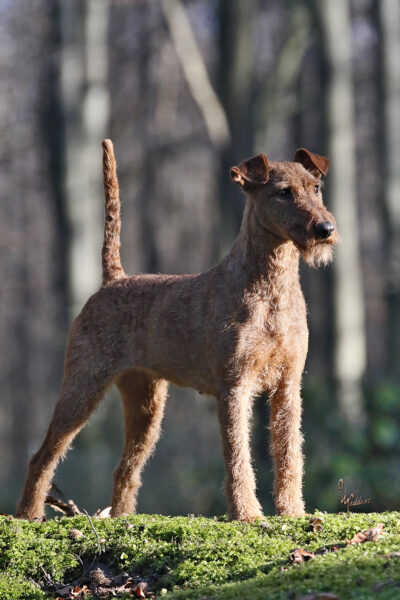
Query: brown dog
(233, 332)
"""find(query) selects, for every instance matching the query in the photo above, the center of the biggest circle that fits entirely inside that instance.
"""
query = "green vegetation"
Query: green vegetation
(204, 558)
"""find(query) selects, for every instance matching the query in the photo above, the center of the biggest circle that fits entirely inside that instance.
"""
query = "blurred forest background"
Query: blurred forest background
(186, 89)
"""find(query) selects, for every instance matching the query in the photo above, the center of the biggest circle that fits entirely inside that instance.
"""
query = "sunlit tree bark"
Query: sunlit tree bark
(195, 72)
(350, 337)
(390, 40)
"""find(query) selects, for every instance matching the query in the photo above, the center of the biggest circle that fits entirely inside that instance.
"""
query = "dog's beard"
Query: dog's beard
(317, 254)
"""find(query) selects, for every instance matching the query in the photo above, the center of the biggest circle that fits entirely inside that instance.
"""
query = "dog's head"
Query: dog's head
(287, 200)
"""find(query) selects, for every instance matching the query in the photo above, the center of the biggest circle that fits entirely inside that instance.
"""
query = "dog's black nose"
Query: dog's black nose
(324, 229)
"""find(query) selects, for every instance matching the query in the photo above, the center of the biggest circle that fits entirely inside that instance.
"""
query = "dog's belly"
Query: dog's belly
(184, 373)
(203, 387)
(200, 385)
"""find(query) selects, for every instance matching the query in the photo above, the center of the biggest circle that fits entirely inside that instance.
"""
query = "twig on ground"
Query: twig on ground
(48, 578)
(94, 531)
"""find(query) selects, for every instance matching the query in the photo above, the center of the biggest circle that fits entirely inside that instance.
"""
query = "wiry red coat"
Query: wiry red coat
(234, 331)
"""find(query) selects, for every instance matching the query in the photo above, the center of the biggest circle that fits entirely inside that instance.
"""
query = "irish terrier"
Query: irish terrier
(234, 331)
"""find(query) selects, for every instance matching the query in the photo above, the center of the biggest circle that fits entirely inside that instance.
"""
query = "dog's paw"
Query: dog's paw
(247, 517)
(291, 511)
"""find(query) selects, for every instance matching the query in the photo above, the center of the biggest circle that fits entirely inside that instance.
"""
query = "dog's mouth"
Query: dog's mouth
(314, 249)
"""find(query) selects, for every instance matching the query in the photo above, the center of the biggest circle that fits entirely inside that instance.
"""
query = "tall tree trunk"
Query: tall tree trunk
(52, 124)
(236, 79)
(390, 40)
(350, 338)
(32, 268)
(277, 102)
(86, 98)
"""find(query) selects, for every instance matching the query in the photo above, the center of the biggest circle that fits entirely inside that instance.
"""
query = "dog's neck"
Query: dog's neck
(259, 258)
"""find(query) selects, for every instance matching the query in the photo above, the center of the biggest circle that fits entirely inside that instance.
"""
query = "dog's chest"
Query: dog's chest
(273, 330)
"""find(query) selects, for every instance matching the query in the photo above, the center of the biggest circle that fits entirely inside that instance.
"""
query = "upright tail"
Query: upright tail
(111, 260)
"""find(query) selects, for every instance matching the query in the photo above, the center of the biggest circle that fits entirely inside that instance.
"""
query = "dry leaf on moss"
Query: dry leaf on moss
(370, 535)
(316, 524)
(298, 555)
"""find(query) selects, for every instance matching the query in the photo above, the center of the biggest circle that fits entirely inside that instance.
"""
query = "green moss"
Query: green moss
(205, 558)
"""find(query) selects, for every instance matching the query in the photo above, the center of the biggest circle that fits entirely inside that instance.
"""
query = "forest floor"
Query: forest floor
(317, 557)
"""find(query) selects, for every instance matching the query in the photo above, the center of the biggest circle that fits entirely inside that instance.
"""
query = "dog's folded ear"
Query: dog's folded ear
(251, 172)
(317, 165)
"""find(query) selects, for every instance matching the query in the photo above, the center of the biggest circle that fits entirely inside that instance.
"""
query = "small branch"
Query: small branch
(94, 531)
(56, 500)
(48, 578)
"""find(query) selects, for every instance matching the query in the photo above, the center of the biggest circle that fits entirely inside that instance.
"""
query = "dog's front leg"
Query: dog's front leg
(234, 407)
(286, 444)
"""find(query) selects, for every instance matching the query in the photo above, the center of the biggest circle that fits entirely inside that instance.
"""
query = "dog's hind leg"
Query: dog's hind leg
(143, 400)
(80, 394)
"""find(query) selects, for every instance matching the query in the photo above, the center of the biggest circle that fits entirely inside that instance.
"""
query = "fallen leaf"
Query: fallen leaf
(375, 532)
(75, 534)
(103, 513)
(100, 575)
(139, 592)
(316, 524)
(298, 555)
(370, 535)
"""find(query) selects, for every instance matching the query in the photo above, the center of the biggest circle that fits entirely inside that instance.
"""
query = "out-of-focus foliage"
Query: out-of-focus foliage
(186, 89)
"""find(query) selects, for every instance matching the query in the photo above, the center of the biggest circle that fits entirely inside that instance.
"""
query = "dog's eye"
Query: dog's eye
(316, 189)
(284, 193)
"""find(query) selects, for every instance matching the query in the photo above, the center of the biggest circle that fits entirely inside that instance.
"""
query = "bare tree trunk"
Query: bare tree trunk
(236, 80)
(275, 104)
(33, 265)
(53, 133)
(86, 99)
(350, 337)
(390, 39)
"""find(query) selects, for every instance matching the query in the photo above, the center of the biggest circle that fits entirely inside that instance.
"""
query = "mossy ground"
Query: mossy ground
(205, 558)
